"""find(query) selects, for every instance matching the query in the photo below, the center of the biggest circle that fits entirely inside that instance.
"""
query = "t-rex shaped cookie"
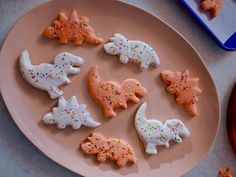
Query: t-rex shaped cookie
(153, 132)
(74, 28)
(109, 148)
(185, 88)
(136, 51)
(49, 77)
(111, 95)
(70, 113)
(213, 6)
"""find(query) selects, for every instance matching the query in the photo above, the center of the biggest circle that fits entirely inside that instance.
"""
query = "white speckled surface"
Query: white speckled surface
(19, 158)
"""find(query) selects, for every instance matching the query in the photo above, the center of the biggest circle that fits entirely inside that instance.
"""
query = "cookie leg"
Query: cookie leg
(63, 39)
(66, 80)
(144, 65)
(101, 157)
(78, 41)
(191, 109)
(134, 98)
(151, 148)
(54, 92)
(177, 139)
(76, 126)
(124, 59)
(61, 125)
(123, 105)
(121, 162)
(74, 70)
(109, 112)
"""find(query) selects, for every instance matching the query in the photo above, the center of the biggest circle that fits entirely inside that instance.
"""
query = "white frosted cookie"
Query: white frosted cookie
(70, 113)
(153, 132)
(136, 51)
(49, 77)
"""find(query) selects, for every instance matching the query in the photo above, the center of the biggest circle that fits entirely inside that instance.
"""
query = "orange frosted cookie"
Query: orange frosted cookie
(185, 88)
(213, 6)
(109, 148)
(73, 28)
(111, 95)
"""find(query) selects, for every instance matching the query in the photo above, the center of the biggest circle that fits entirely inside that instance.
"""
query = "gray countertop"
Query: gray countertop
(20, 158)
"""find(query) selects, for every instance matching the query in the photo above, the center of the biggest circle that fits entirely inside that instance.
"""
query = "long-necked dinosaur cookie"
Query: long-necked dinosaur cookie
(213, 6)
(73, 28)
(109, 148)
(70, 113)
(111, 95)
(49, 77)
(184, 87)
(153, 132)
(135, 51)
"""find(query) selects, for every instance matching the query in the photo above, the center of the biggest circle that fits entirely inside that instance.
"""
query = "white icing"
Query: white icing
(154, 132)
(70, 113)
(49, 77)
(137, 51)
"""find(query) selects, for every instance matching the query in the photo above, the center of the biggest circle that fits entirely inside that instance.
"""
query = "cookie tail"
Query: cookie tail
(25, 63)
(90, 122)
(49, 119)
(93, 80)
(140, 118)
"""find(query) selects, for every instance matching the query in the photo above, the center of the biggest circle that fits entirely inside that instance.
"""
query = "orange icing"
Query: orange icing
(185, 88)
(111, 95)
(109, 148)
(73, 28)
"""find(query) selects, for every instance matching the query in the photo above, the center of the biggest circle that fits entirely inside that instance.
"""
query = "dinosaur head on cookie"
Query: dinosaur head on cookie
(116, 44)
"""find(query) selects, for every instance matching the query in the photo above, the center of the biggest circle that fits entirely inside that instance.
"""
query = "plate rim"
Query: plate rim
(59, 162)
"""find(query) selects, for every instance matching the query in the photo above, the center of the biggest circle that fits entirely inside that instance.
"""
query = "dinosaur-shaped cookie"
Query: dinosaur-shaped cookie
(184, 87)
(133, 50)
(153, 132)
(109, 148)
(226, 173)
(73, 28)
(111, 95)
(213, 6)
(70, 113)
(49, 77)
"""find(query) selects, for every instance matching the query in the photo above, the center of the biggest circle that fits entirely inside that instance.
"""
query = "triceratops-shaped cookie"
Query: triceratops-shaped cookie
(70, 113)
(109, 148)
(132, 50)
(111, 95)
(74, 28)
(184, 87)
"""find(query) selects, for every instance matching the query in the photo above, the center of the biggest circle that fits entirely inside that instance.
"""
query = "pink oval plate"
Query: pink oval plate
(27, 105)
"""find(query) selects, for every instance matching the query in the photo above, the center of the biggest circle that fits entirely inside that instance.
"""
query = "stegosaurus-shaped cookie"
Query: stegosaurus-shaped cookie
(70, 113)
(185, 88)
(73, 28)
